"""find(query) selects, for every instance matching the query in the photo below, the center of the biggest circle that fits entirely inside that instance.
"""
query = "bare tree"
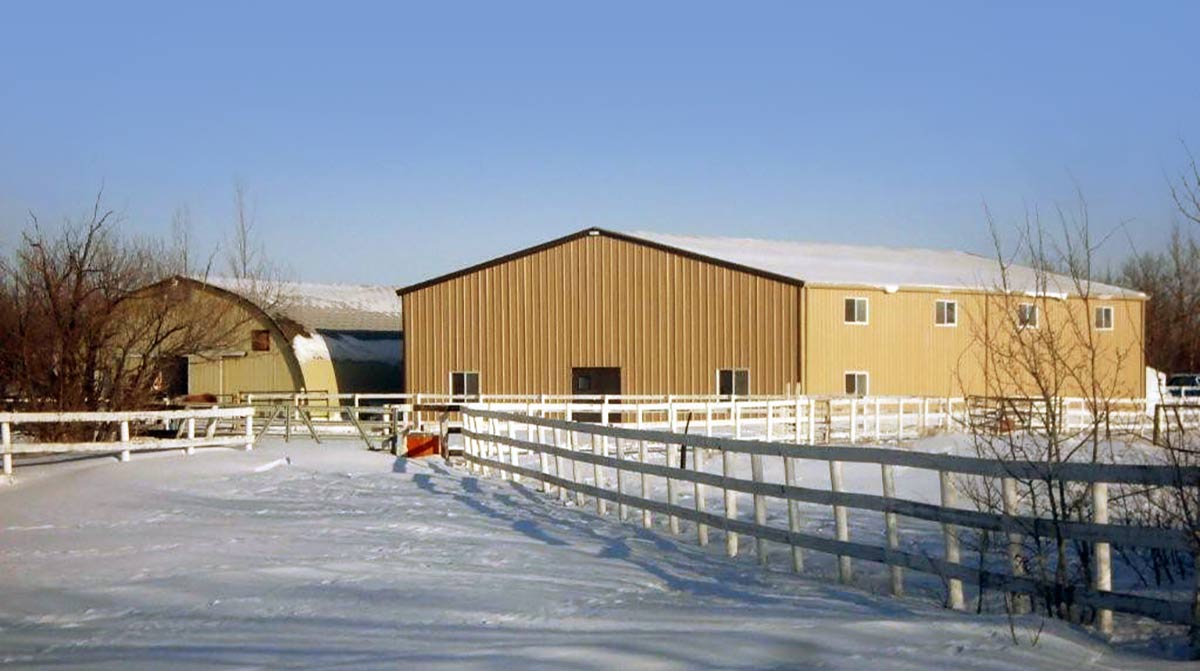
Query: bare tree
(90, 319)
(1172, 279)
(1037, 345)
(245, 256)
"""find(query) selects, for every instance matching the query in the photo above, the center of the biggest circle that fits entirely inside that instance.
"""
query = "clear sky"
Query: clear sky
(388, 143)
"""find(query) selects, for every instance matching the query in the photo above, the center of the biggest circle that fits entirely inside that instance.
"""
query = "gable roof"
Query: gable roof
(325, 307)
(817, 264)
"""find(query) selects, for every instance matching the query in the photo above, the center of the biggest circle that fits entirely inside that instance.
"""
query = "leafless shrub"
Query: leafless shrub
(91, 319)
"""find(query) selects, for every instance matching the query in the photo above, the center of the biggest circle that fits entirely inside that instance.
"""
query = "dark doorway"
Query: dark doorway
(596, 382)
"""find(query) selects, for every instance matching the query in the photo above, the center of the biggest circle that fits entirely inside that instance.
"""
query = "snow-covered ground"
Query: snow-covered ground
(345, 559)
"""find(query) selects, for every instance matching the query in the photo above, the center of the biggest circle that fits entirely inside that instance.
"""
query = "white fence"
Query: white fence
(614, 464)
(383, 418)
(238, 425)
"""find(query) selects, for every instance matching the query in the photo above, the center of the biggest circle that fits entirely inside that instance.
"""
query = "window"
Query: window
(856, 311)
(260, 340)
(1027, 315)
(733, 382)
(1104, 318)
(856, 383)
(946, 313)
(464, 385)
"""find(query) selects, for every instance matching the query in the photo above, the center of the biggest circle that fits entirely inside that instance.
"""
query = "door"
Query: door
(595, 382)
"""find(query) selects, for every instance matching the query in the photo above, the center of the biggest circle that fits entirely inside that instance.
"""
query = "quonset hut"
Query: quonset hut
(602, 312)
(296, 336)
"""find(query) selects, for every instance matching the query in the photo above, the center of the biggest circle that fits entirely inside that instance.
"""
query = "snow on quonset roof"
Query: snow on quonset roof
(327, 307)
(880, 267)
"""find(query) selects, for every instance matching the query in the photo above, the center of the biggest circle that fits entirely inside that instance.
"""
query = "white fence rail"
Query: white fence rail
(382, 418)
(238, 422)
(613, 464)
(827, 419)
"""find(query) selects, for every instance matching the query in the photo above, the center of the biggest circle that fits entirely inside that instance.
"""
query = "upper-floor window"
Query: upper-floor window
(857, 383)
(260, 340)
(1027, 315)
(946, 313)
(856, 311)
(1104, 318)
(465, 385)
(733, 382)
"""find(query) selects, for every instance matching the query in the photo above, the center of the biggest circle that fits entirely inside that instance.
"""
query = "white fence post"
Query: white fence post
(731, 538)
(878, 423)
(514, 453)
(647, 516)
(853, 420)
(950, 532)
(790, 479)
(760, 500)
(672, 462)
(760, 508)
(125, 440)
(250, 431)
(543, 458)
(841, 521)
(699, 457)
(893, 531)
(1103, 575)
(6, 444)
(191, 435)
(812, 421)
(571, 445)
(1009, 494)
(598, 475)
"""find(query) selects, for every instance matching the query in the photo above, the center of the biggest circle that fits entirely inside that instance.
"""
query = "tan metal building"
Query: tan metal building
(642, 313)
(296, 336)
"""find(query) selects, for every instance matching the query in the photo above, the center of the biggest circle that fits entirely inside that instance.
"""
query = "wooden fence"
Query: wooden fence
(567, 450)
(238, 425)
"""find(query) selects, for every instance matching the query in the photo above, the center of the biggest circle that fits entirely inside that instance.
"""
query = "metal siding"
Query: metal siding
(667, 321)
(907, 354)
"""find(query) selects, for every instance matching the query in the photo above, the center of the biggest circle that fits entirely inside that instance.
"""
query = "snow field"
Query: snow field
(346, 559)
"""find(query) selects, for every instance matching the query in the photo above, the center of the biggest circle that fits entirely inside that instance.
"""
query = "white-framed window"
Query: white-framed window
(464, 384)
(733, 382)
(856, 310)
(1104, 318)
(1027, 316)
(945, 313)
(858, 383)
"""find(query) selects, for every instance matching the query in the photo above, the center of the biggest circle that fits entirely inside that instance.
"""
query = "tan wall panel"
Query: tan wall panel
(668, 321)
(256, 371)
(906, 353)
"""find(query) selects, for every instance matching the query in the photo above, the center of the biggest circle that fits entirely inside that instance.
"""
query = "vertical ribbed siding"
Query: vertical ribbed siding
(668, 321)
(905, 353)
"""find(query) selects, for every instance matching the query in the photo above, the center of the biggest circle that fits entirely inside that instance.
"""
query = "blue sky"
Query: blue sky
(387, 142)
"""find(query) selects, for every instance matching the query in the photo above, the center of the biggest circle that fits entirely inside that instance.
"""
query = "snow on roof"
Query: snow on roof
(330, 307)
(882, 267)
